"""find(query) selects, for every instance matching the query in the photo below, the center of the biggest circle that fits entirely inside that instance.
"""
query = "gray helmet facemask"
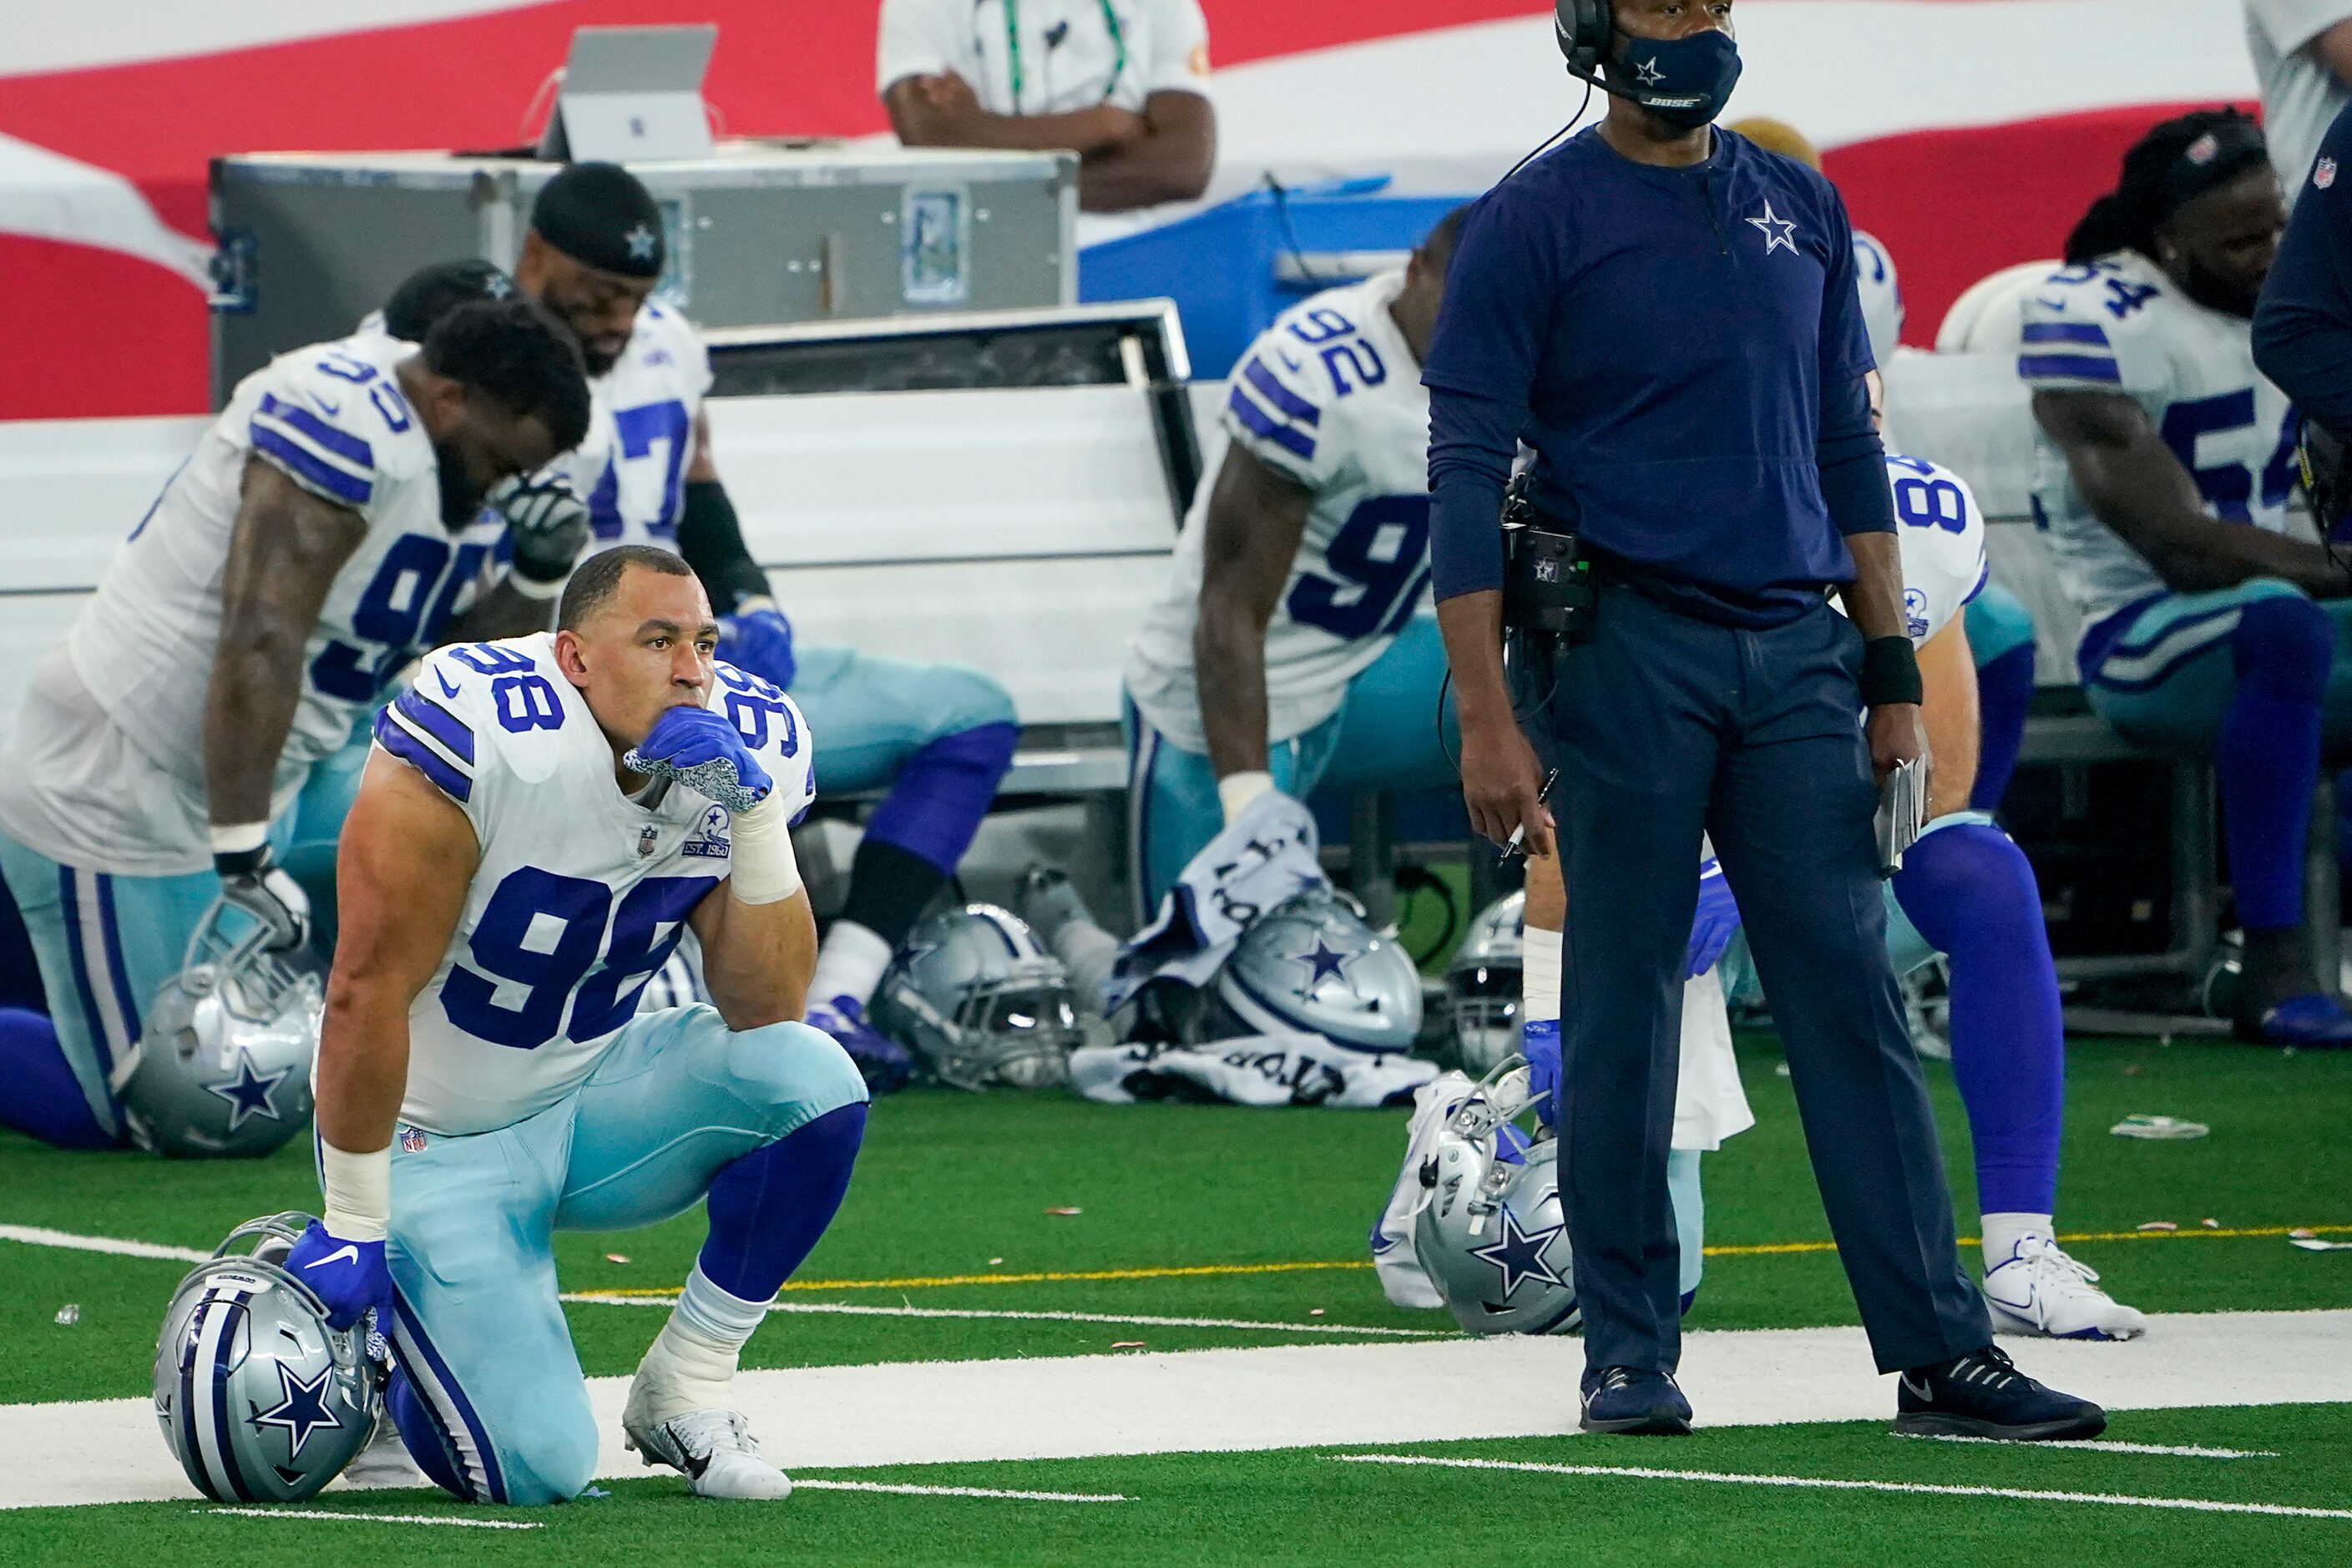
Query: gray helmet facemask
(984, 1004)
(1483, 982)
(1490, 1236)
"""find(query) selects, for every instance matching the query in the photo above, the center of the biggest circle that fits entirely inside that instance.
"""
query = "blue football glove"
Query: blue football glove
(350, 1276)
(1540, 1043)
(760, 641)
(706, 752)
(1716, 919)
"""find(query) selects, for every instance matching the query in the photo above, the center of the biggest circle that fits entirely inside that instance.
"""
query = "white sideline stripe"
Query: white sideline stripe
(2100, 1445)
(909, 1490)
(854, 1309)
(1925, 1488)
(37, 1236)
(371, 1517)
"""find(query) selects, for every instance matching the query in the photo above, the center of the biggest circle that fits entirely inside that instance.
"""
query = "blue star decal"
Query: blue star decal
(1517, 1255)
(1324, 962)
(249, 1093)
(1777, 231)
(302, 1410)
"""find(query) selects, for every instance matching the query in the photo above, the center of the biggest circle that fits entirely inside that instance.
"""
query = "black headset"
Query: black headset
(1582, 28)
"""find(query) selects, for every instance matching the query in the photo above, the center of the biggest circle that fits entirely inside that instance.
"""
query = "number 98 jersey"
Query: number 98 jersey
(1330, 399)
(581, 893)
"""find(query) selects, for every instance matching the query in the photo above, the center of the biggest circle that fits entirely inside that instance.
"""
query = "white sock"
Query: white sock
(701, 1343)
(2002, 1232)
(849, 962)
(1087, 952)
(1539, 988)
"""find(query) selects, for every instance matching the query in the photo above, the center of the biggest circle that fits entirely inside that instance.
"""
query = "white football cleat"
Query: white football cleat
(2038, 1289)
(678, 1419)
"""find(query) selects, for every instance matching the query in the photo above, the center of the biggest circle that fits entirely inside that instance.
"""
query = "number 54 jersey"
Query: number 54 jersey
(581, 893)
(1330, 399)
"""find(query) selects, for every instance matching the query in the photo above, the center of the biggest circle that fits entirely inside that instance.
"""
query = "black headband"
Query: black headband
(599, 214)
(2219, 154)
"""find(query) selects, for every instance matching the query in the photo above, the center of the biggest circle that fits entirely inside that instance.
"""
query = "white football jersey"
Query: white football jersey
(1942, 538)
(1330, 396)
(1881, 297)
(632, 466)
(2118, 325)
(581, 893)
(332, 418)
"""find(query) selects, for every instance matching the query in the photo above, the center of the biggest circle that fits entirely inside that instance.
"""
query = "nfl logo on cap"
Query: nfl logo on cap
(2323, 174)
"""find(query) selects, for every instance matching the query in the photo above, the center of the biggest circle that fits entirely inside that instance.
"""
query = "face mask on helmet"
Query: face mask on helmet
(1684, 82)
(1483, 986)
(986, 1007)
(1490, 1236)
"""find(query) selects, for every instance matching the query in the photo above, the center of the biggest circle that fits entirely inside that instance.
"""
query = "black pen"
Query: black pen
(1519, 833)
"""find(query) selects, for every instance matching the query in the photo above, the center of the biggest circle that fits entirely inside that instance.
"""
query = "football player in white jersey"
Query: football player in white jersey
(1965, 892)
(541, 820)
(939, 736)
(2163, 464)
(191, 736)
(1290, 648)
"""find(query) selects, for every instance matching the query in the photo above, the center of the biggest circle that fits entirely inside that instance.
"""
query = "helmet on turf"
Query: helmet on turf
(1491, 1236)
(1483, 984)
(223, 1066)
(1311, 963)
(259, 1400)
(984, 1005)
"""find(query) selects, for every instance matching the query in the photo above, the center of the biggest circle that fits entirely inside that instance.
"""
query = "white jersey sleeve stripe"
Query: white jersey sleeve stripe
(430, 739)
(320, 457)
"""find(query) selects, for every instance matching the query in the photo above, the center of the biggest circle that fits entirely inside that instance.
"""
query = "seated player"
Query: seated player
(541, 820)
(191, 736)
(1965, 891)
(1288, 649)
(940, 736)
(2164, 465)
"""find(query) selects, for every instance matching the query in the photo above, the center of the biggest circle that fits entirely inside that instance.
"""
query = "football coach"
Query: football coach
(1668, 315)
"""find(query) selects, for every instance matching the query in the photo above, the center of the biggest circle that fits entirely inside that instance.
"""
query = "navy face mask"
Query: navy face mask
(1684, 82)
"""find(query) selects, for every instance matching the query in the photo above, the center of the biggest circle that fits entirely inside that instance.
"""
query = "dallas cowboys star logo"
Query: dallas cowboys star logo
(249, 1094)
(303, 1410)
(641, 243)
(1647, 73)
(1517, 1255)
(1324, 962)
(498, 286)
(1777, 231)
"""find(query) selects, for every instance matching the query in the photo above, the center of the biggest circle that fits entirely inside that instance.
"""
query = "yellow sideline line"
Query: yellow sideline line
(1202, 1270)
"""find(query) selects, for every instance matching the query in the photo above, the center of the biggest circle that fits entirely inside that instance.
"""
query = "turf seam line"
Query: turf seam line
(371, 1517)
(847, 1309)
(1827, 1483)
(910, 1489)
(2097, 1444)
(40, 1236)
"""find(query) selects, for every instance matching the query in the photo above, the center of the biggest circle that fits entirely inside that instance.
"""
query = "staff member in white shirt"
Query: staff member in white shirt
(2303, 60)
(1121, 82)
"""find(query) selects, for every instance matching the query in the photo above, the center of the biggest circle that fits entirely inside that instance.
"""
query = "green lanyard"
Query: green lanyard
(1012, 47)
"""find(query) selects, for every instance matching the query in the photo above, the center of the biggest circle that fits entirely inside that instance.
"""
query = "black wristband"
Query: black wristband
(1890, 672)
(241, 862)
(712, 543)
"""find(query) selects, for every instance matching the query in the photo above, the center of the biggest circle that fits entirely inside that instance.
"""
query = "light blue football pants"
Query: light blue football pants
(1384, 737)
(106, 943)
(870, 714)
(2167, 677)
(479, 1331)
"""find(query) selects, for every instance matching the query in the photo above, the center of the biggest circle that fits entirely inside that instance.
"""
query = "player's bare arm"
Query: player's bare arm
(1948, 680)
(283, 556)
(2333, 48)
(2135, 485)
(1171, 161)
(1256, 519)
(1875, 600)
(756, 958)
(402, 872)
(943, 111)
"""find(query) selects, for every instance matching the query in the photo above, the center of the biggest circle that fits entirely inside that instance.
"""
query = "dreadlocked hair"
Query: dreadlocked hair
(2126, 217)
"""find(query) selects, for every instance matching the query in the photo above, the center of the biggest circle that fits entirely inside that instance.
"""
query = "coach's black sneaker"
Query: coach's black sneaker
(1630, 1400)
(1982, 1395)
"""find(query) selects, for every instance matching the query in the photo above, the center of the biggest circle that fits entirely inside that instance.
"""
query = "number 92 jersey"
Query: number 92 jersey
(1329, 397)
(581, 893)
(2119, 325)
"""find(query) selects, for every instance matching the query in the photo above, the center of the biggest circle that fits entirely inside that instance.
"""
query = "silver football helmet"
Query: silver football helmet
(1483, 984)
(259, 1400)
(984, 1005)
(223, 1066)
(1312, 963)
(1491, 1236)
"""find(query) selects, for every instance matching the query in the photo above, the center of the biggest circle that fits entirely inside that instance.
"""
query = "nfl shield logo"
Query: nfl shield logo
(2323, 174)
(412, 1139)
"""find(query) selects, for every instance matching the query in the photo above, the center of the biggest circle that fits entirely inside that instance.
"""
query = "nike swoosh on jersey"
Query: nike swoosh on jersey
(447, 689)
(346, 1251)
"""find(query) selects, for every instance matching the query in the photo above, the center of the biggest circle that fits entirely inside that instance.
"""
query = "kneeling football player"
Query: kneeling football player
(542, 819)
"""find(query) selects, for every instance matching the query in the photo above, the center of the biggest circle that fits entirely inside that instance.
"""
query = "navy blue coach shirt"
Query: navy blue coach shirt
(2303, 327)
(1684, 349)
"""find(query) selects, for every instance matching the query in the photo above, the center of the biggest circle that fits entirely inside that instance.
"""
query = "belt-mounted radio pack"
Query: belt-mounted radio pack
(1547, 582)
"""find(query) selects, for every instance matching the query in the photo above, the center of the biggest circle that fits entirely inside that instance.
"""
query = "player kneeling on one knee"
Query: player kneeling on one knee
(543, 820)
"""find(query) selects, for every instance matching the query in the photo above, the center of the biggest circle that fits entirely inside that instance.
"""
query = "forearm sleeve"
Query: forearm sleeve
(1852, 461)
(712, 543)
(1471, 444)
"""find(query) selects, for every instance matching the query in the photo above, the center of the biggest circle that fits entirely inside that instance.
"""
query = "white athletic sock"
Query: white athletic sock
(849, 963)
(692, 1361)
(1539, 991)
(1087, 952)
(2002, 1232)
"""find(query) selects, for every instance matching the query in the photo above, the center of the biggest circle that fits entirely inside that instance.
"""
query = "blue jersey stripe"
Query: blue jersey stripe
(1281, 396)
(342, 443)
(436, 721)
(393, 738)
(309, 466)
(2066, 332)
(2076, 367)
(1258, 423)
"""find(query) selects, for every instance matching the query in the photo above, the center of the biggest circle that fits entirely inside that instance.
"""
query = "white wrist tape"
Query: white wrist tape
(533, 588)
(241, 839)
(764, 870)
(358, 1192)
(1235, 791)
